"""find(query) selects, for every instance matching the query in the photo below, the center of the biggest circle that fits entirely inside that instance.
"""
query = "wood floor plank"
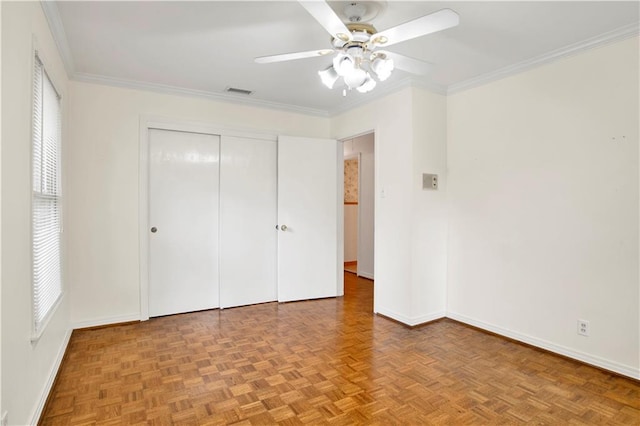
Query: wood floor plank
(323, 362)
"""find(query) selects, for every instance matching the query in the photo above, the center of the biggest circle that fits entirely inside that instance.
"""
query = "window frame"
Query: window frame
(39, 325)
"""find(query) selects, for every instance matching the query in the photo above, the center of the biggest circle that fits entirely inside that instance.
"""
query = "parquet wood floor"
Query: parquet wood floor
(323, 362)
(351, 266)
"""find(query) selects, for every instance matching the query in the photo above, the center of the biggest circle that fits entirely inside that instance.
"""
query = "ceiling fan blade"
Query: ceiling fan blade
(405, 63)
(321, 11)
(292, 56)
(438, 21)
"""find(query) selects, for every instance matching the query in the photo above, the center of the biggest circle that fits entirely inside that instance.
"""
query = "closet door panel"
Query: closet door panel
(310, 206)
(183, 218)
(248, 238)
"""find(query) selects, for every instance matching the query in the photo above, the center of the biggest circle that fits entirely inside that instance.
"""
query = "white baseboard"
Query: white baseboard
(393, 315)
(52, 377)
(428, 318)
(105, 321)
(364, 274)
(411, 321)
(616, 367)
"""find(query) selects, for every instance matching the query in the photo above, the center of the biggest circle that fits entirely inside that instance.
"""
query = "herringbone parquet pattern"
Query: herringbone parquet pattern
(323, 362)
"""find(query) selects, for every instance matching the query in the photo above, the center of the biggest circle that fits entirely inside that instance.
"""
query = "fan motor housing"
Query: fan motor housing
(360, 33)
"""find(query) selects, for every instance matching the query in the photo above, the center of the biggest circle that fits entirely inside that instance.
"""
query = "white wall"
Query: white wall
(365, 145)
(27, 368)
(392, 233)
(102, 190)
(1, 409)
(429, 237)
(366, 237)
(543, 190)
(350, 232)
(399, 206)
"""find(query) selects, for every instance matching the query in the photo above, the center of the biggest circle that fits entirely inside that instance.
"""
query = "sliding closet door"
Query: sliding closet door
(183, 218)
(248, 238)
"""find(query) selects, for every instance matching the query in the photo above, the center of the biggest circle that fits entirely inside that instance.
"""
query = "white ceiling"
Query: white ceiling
(205, 47)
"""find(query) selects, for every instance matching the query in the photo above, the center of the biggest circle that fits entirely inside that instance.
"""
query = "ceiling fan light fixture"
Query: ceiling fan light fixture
(355, 51)
(358, 67)
(355, 78)
(383, 67)
(343, 64)
(329, 77)
(368, 85)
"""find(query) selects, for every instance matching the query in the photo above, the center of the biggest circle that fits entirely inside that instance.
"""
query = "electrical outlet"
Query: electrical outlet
(583, 327)
(5, 419)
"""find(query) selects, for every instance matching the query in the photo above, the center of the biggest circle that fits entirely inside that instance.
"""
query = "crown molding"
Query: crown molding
(50, 9)
(618, 34)
(180, 91)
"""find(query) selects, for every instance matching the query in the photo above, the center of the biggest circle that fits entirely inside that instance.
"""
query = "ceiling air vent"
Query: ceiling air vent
(238, 91)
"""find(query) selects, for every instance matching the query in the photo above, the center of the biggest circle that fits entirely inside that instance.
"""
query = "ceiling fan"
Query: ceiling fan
(355, 45)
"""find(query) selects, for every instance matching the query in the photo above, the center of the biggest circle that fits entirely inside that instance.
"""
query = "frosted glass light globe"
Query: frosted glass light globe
(382, 67)
(355, 78)
(368, 85)
(343, 64)
(328, 77)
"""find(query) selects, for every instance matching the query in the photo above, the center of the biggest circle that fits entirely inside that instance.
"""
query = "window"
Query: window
(46, 198)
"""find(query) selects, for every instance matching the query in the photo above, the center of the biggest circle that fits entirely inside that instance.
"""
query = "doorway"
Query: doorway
(359, 205)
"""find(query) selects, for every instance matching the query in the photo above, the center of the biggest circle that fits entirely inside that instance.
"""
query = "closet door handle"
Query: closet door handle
(283, 227)
(154, 229)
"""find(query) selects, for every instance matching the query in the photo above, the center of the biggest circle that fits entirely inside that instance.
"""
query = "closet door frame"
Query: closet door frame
(162, 123)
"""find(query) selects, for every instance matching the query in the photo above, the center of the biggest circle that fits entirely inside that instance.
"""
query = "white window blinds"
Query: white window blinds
(46, 199)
